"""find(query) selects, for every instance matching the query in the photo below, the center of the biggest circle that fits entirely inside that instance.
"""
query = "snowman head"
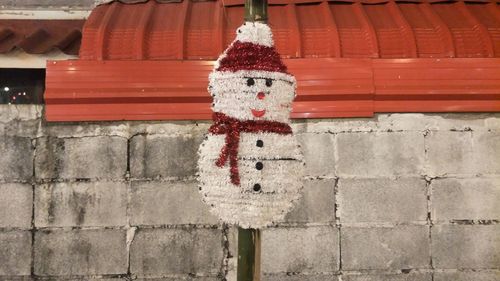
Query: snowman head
(249, 81)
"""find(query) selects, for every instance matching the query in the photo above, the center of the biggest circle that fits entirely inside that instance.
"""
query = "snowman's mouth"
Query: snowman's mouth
(258, 113)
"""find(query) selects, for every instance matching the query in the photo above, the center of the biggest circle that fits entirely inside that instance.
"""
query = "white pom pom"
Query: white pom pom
(255, 32)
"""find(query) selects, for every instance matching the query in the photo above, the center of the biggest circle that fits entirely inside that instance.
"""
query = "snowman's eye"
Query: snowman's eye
(269, 82)
(250, 82)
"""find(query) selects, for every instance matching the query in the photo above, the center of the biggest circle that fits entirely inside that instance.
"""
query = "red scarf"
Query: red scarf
(232, 127)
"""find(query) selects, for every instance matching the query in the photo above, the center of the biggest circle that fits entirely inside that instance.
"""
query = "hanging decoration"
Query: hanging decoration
(250, 164)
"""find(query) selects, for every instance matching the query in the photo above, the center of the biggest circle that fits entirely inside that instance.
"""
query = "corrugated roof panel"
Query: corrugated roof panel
(391, 41)
(162, 35)
(467, 37)
(489, 16)
(156, 90)
(281, 20)
(353, 29)
(91, 27)
(233, 19)
(314, 29)
(302, 28)
(200, 31)
(350, 59)
(434, 85)
(41, 36)
(121, 33)
(432, 37)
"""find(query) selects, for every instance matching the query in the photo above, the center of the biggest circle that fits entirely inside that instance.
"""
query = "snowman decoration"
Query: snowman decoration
(250, 164)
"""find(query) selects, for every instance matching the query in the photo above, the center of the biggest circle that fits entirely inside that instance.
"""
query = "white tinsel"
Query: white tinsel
(233, 97)
(281, 176)
(255, 32)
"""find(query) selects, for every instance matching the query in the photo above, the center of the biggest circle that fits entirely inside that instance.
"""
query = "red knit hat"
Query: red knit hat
(253, 49)
(250, 56)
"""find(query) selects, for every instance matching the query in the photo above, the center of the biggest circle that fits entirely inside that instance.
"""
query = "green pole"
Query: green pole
(248, 254)
(249, 239)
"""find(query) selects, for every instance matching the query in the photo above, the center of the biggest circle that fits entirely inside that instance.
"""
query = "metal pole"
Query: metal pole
(249, 239)
(256, 10)
(248, 254)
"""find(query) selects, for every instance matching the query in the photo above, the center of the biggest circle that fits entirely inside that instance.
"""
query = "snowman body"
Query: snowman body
(270, 179)
(264, 179)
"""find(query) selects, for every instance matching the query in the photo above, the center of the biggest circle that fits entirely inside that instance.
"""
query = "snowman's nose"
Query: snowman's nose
(261, 95)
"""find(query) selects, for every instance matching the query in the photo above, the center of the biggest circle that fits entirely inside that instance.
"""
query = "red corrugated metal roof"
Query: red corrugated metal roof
(302, 29)
(150, 61)
(155, 90)
(41, 36)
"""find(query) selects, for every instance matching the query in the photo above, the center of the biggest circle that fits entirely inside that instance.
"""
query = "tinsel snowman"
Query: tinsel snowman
(250, 164)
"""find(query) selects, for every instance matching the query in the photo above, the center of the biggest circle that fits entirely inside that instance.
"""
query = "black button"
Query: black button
(256, 187)
(260, 143)
(250, 82)
(259, 166)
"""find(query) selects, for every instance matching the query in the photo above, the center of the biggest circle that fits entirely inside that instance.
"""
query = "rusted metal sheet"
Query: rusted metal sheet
(41, 36)
(156, 90)
(302, 29)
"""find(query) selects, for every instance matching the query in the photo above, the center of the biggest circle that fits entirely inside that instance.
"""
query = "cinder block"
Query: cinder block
(492, 121)
(94, 278)
(319, 154)
(467, 276)
(299, 277)
(20, 112)
(450, 153)
(21, 120)
(160, 252)
(389, 277)
(16, 162)
(453, 121)
(154, 202)
(487, 152)
(154, 156)
(183, 278)
(85, 130)
(80, 252)
(404, 121)
(81, 204)
(86, 157)
(80, 278)
(466, 199)
(306, 250)
(317, 204)
(16, 205)
(62, 278)
(382, 200)
(401, 247)
(16, 278)
(15, 253)
(466, 246)
(171, 129)
(380, 154)
(341, 125)
(19, 128)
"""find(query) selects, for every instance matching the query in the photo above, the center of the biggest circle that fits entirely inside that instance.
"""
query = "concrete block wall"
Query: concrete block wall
(394, 197)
